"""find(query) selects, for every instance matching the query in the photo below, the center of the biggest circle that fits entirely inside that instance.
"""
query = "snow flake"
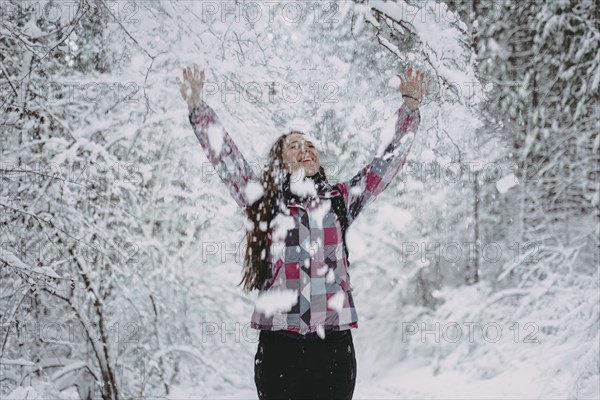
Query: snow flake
(276, 301)
(336, 302)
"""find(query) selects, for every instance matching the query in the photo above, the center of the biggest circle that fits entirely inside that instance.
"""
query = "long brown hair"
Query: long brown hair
(260, 215)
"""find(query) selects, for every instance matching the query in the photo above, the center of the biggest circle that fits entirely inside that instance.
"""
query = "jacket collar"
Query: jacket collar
(323, 189)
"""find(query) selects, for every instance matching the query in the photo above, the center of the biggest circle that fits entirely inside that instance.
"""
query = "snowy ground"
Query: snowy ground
(406, 382)
(412, 381)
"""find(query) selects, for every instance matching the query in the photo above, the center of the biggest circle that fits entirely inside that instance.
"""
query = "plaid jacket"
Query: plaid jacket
(308, 288)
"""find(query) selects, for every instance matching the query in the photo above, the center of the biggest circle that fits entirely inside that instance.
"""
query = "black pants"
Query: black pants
(289, 368)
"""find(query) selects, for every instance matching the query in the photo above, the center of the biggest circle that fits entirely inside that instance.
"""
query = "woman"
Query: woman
(296, 255)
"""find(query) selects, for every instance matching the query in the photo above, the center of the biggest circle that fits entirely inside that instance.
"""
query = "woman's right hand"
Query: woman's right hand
(191, 87)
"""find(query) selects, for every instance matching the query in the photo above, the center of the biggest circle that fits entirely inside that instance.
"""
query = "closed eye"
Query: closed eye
(296, 145)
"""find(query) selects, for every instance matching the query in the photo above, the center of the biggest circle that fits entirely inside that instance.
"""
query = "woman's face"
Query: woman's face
(299, 152)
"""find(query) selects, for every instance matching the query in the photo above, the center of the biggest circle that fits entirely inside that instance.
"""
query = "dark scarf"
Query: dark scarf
(321, 186)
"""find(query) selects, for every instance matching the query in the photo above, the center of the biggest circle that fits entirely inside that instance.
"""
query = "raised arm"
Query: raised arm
(220, 149)
(223, 153)
(362, 189)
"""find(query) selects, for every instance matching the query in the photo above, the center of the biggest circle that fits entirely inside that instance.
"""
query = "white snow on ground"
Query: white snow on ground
(409, 380)
(415, 378)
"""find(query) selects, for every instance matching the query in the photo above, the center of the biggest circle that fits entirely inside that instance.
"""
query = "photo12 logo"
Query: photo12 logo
(65, 12)
(272, 92)
(454, 332)
(56, 92)
(70, 332)
(83, 172)
(251, 12)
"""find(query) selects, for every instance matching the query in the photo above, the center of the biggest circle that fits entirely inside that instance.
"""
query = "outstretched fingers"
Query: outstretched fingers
(191, 85)
(401, 79)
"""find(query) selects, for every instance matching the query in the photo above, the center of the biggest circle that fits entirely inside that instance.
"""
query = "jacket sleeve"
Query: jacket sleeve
(222, 152)
(362, 189)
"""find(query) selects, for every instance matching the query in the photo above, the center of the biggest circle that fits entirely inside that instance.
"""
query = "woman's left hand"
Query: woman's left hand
(413, 87)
